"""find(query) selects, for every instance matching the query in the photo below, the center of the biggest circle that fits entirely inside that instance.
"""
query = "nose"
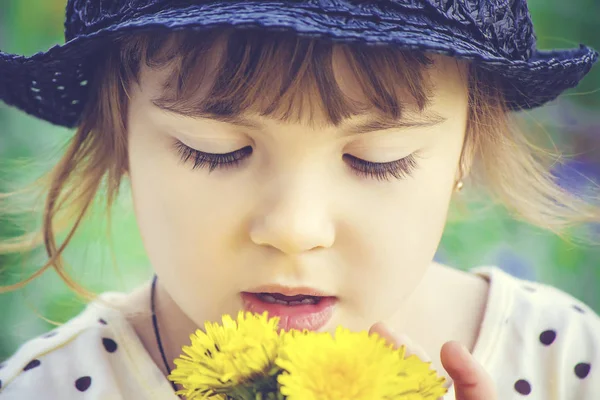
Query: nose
(294, 216)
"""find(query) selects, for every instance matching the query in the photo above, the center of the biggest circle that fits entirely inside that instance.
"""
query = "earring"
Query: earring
(459, 185)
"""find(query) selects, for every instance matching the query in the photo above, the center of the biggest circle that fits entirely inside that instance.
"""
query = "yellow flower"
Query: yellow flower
(227, 355)
(352, 366)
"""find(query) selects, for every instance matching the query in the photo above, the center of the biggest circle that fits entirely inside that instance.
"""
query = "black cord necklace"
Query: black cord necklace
(156, 333)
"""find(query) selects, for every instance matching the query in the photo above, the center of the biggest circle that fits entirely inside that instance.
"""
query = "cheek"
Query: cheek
(398, 235)
(171, 202)
(392, 252)
(186, 230)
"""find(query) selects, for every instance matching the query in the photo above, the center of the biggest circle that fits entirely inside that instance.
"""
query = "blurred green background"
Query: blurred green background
(487, 238)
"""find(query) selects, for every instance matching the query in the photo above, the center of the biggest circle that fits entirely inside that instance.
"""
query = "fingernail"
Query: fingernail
(388, 328)
(382, 326)
(465, 348)
(466, 353)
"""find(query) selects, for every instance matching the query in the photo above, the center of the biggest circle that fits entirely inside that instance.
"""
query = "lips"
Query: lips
(294, 309)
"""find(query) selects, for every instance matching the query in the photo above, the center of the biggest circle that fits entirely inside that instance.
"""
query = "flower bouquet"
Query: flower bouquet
(250, 359)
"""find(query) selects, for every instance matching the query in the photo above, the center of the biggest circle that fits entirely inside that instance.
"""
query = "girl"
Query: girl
(299, 157)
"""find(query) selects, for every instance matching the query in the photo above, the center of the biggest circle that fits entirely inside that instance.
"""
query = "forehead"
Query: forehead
(332, 84)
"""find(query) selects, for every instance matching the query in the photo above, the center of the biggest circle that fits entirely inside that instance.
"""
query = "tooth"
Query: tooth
(308, 300)
(268, 298)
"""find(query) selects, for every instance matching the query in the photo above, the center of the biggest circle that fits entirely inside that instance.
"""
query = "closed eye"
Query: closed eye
(211, 161)
(398, 169)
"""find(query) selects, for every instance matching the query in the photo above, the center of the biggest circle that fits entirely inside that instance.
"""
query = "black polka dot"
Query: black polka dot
(582, 370)
(32, 364)
(522, 387)
(578, 309)
(548, 337)
(49, 334)
(110, 345)
(102, 321)
(0, 383)
(82, 384)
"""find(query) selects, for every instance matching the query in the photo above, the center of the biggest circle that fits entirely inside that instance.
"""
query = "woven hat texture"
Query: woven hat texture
(498, 34)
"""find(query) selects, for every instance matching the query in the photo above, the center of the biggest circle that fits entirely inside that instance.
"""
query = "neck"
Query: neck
(174, 326)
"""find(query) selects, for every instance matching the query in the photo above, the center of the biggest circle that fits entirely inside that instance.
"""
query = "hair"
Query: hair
(269, 74)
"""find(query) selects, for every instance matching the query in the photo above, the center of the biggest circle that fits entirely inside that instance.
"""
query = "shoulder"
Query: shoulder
(540, 340)
(71, 359)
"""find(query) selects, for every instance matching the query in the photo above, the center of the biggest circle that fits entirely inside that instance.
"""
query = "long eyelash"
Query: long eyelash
(399, 169)
(210, 160)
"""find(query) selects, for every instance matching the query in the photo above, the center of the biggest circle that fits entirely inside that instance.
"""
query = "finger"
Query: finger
(398, 340)
(471, 381)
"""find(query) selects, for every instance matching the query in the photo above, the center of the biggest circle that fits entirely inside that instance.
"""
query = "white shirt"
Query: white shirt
(536, 342)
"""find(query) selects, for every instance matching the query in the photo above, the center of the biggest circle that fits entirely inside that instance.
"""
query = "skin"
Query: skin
(295, 214)
(471, 381)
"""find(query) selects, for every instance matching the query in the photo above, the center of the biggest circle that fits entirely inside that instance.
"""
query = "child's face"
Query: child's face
(294, 212)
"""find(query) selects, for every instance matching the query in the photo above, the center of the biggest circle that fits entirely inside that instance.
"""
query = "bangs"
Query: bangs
(228, 73)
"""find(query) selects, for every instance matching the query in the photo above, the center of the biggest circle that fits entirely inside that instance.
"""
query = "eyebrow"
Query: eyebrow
(372, 125)
(376, 125)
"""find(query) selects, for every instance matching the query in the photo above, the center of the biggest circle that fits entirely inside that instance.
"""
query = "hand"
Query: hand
(471, 381)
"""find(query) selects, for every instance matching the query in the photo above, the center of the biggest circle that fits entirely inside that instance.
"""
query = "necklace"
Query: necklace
(156, 332)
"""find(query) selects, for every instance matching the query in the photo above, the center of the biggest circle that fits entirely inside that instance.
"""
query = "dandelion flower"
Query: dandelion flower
(352, 366)
(226, 357)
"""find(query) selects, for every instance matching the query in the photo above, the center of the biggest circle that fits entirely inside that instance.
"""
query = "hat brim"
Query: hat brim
(54, 85)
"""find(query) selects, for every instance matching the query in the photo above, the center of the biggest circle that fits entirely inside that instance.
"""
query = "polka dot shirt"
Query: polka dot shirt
(536, 342)
(96, 355)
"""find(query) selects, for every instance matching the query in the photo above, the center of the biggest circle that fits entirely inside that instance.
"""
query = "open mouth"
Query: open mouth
(278, 298)
(295, 312)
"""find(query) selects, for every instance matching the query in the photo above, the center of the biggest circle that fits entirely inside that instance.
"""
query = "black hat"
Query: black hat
(497, 34)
